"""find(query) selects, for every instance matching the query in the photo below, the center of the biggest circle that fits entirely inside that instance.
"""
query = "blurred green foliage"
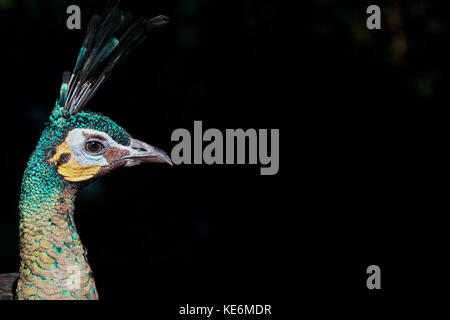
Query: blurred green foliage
(409, 42)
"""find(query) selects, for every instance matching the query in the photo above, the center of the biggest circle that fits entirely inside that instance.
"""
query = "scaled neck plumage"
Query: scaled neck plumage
(53, 262)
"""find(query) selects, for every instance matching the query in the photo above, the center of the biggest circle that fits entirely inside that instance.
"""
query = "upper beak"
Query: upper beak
(142, 152)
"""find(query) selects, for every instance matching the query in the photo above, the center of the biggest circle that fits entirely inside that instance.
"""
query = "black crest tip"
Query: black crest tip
(157, 22)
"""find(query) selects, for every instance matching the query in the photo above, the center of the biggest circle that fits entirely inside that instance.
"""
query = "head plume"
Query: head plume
(109, 39)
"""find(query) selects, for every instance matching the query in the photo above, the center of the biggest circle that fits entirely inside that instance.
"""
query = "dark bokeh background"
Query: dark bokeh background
(344, 98)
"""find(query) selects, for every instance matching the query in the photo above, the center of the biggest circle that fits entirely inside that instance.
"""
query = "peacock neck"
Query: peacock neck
(53, 262)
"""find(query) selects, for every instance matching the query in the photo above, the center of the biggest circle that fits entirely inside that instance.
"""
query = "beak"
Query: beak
(141, 152)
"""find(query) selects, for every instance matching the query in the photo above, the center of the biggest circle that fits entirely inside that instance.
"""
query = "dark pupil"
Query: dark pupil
(94, 146)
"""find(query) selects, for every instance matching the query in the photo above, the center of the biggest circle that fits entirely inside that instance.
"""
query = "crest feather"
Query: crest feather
(109, 39)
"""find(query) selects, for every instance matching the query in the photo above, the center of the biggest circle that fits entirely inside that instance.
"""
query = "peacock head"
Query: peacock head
(81, 144)
(88, 145)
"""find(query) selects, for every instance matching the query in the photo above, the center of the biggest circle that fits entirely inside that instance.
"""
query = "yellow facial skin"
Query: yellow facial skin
(72, 170)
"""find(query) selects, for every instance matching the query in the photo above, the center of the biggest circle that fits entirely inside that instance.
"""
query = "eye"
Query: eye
(94, 147)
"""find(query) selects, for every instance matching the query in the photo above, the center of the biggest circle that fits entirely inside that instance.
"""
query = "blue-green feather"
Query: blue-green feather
(80, 59)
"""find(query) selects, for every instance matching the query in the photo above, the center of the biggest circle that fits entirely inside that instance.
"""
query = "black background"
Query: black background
(345, 99)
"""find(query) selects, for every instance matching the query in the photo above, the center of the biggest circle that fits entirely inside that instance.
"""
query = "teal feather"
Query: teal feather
(106, 51)
(64, 88)
(80, 59)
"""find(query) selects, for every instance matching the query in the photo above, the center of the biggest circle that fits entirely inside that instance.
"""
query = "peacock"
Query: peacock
(75, 147)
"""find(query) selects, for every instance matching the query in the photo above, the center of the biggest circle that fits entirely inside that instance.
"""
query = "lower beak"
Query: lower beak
(141, 152)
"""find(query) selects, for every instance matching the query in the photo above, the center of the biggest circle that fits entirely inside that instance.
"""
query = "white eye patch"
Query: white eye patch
(77, 138)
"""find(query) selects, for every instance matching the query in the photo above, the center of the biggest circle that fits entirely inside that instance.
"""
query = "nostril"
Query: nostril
(140, 146)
